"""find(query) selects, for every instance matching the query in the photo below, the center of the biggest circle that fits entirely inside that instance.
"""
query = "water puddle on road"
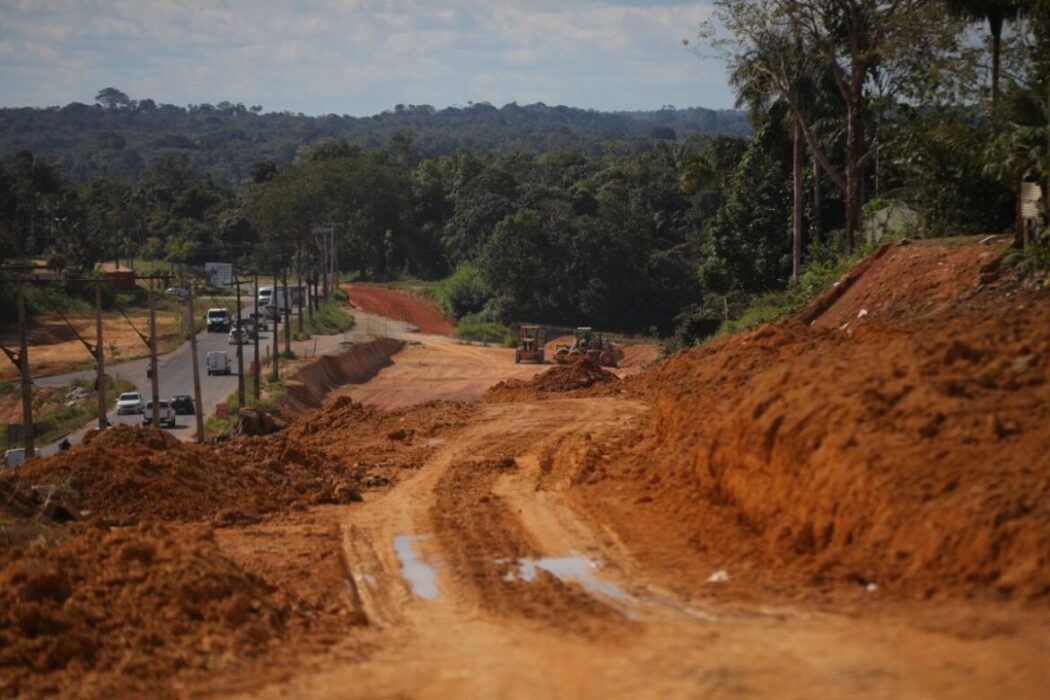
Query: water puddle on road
(577, 568)
(419, 574)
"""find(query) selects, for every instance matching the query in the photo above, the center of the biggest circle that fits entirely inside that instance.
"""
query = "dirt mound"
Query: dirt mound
(131, 474)
(908, 281)
(400, 306)
(908, 451)
(113, 612)
(312, 382)
(582, 374)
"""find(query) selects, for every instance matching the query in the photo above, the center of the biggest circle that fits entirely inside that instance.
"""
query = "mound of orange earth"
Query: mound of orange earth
(400, 306)
(908, 448)
(582, 374)
(122, 612)
(132, 474)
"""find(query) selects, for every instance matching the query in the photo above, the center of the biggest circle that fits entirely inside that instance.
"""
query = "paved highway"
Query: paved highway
(175, 372)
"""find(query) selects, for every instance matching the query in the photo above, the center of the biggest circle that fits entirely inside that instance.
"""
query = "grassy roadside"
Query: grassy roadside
(61, 414)
(472, 330)
(271, 396)
(427, 289)
(331, 318)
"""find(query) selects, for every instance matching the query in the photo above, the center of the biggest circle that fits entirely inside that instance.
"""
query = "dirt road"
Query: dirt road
(796, 511)
(480, 578)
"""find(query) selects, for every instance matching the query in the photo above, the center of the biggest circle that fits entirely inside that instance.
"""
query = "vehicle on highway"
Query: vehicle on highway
(217, 320)
(165, 414)
(182, 404)
(130, 402)
(177, 292)
(259, 320)
(218, 362)
(274, 301)
(240, 336)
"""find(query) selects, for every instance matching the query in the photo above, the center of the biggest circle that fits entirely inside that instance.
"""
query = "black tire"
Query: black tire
(517, 357)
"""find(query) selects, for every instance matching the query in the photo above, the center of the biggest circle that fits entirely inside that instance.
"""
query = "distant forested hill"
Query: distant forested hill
(119, 137)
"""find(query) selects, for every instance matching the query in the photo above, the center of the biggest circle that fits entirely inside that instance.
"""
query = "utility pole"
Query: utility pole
(287, 313)
(23, 366)
(256, 389)
(299, 291)
(335, 265)
(322, 236)
(275, 375)
(154, 379)
(196, 365)
(240, 343)
(100, 359)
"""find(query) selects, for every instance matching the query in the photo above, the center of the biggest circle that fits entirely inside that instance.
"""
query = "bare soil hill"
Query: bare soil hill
(400, 306)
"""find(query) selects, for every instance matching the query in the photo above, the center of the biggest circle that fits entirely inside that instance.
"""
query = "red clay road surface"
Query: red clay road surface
(400, 306)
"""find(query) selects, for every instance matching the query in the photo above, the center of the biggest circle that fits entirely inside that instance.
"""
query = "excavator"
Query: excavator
(588, 344)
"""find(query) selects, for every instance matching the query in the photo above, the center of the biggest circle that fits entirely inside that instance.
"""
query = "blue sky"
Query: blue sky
(358, 57)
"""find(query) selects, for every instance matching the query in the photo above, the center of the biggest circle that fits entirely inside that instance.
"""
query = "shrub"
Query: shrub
(464, 292)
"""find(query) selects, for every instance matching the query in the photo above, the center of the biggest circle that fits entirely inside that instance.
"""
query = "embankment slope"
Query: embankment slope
(899, 439)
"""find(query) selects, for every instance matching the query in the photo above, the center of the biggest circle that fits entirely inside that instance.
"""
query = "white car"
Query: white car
(239, 336)
(164, 411)
(130, 402)
(218, 362)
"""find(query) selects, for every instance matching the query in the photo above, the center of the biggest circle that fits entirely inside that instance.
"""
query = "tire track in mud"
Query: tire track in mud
(484, 543)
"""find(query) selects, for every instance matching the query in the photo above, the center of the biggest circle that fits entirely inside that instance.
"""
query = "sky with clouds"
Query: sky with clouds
(358, 57)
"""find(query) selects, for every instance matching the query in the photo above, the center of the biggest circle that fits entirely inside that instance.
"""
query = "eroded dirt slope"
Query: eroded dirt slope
(400, 306)
(906, 448)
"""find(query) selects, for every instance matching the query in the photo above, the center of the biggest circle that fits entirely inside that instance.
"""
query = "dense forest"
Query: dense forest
(121, 137)
(631, 222)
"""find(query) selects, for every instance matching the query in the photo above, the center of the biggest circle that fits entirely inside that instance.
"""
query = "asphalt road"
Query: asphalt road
(175, 372)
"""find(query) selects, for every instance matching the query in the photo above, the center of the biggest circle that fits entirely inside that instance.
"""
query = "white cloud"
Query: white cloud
(359, 56)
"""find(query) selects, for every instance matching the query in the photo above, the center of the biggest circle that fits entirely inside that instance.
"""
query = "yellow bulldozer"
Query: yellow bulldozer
(530, 344)
(593, 346)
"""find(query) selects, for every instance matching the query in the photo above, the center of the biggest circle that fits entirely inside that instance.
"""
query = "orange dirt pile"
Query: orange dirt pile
(400, 306)
(582, 374)
(130, 474)
(311, 383)
(121, 612)
(908, 449)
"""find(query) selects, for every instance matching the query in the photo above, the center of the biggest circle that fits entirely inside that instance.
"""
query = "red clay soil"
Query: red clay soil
(120, 612)
(311, 383)
(127, 475)
(400, 306)
(582, 374)
(908, 449)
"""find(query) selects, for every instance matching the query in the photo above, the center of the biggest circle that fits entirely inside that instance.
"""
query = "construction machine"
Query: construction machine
(530, 344)
(590, 345)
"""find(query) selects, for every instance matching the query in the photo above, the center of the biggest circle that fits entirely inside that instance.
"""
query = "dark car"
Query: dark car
(183, 405)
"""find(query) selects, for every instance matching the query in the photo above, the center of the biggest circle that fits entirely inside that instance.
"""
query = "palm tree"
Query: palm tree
(997, 12)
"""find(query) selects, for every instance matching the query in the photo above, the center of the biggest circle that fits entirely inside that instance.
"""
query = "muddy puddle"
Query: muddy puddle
(577, 569)
(420, 576)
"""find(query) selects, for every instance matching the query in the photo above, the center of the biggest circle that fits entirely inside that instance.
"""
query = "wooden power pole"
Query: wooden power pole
(240, 344)
(23, 366)
(154, 379)
(287, 313)
(195, 362)
(100, 359)
(276, 374)
(256, 370)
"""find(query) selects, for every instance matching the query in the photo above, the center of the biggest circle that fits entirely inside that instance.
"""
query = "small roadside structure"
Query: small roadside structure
(123, 278)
